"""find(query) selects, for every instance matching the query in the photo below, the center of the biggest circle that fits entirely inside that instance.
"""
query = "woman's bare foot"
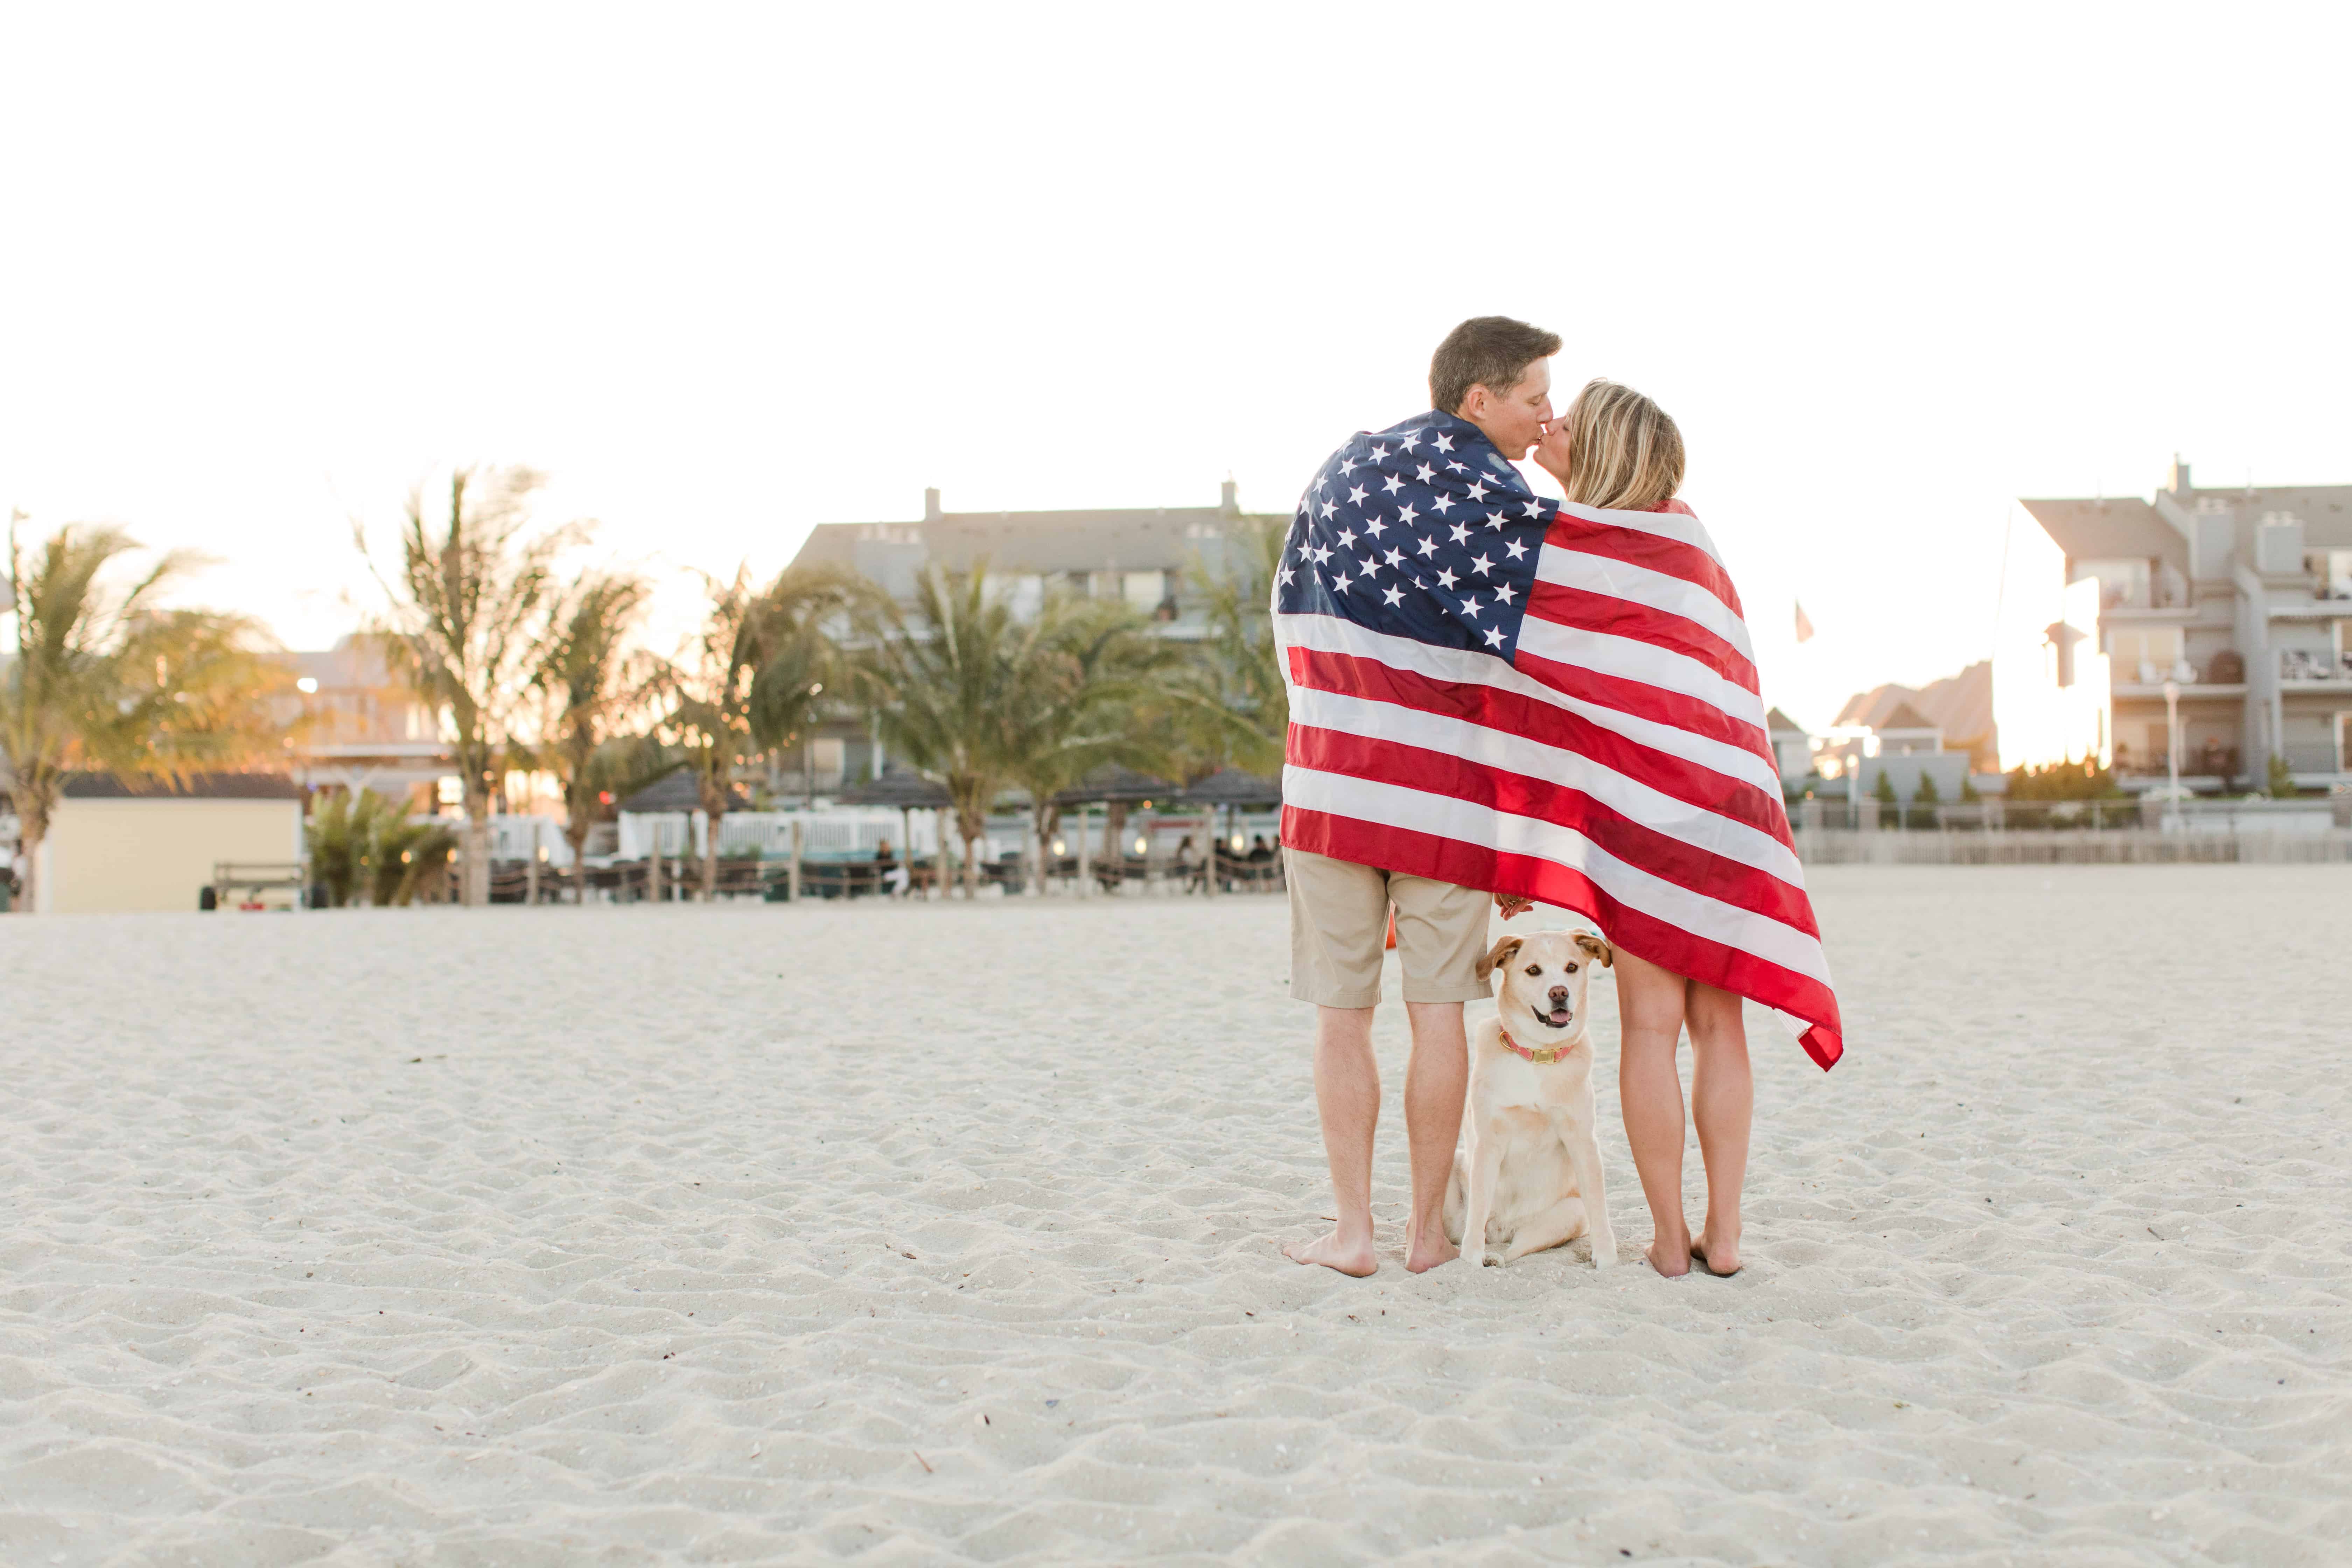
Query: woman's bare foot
(1719, 1258)
(1670, 1256)
(1353, 1258)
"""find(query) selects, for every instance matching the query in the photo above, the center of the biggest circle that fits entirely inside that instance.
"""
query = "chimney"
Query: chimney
(2178, 481)
(1232, 505)
(931, 504)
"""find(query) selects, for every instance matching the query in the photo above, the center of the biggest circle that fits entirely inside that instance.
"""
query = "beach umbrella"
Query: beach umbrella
(1116, 786)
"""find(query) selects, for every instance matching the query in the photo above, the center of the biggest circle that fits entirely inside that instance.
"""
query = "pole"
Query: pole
(1085, 883)
(2172, 751)
(792, 877)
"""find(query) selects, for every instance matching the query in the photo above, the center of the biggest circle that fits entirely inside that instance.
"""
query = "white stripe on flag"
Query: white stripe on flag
(1674, 525)
(1691, 824)
(1418, 811)
(1330, 633)
(1632, 659)
(1641, 585)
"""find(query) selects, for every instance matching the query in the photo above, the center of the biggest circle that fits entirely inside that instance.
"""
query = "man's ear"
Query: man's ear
(1597, 948)
(1500, 956)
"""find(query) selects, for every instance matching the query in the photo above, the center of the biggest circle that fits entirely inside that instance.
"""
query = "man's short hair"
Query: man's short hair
(1492, 351)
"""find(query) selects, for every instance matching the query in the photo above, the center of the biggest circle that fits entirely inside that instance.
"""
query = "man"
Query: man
(1491, 374)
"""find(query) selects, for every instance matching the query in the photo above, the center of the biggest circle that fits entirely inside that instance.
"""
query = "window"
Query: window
(2144, 655)
(826, 754)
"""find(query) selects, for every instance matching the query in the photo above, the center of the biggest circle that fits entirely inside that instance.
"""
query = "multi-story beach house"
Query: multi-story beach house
(362, 729)
(1143, 557)
(2238, 599)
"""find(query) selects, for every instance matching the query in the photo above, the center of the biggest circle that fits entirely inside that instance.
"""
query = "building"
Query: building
(115, 847)
(360, 728)
(2239, 598)
(1880, 733)
(1958, 708)
(1142, 557)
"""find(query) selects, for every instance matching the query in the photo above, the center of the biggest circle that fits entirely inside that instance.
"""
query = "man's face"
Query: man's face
(1515, 419)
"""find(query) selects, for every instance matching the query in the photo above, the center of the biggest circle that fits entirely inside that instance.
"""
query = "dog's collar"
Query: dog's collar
(1542, 1059)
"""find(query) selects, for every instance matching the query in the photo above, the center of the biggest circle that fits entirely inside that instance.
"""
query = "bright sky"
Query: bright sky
(727, 273)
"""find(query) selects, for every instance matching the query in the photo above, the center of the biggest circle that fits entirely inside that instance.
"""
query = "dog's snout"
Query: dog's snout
(1560, 995)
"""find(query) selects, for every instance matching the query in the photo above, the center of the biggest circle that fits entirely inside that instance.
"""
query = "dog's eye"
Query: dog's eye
(1571, 969)
(1535, 969)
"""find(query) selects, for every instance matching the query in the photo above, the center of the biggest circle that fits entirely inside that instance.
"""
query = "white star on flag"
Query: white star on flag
(1516, 548)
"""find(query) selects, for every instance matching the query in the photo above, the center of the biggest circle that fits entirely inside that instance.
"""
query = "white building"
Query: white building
(2240, 597)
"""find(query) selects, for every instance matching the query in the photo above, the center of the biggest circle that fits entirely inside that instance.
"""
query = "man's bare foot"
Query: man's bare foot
(1420, 1258)
(1670, 1259)
(1719, 1258)
(1355, 1259)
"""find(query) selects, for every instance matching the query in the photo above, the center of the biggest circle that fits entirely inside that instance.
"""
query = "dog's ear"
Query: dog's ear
(1500, 956)
(1597, 948)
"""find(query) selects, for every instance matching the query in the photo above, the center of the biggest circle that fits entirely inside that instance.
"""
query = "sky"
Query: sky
(724, 273)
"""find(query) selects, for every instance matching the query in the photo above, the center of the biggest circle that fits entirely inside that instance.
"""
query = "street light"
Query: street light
(2172, 751)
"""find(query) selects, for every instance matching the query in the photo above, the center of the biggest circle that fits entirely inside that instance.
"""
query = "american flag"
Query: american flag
(1541, 699)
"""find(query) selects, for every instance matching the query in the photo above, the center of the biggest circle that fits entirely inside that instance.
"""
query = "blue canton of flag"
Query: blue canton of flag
(1421, 531)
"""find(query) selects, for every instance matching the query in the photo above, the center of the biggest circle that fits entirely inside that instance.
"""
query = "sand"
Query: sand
(945, 1234)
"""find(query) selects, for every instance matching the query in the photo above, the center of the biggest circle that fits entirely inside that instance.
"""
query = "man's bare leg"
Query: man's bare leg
(1435, 1079)
(1348, 1098)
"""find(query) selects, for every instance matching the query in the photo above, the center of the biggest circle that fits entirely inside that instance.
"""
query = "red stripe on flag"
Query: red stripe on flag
(1644, 700)
(1640, 548)
(1670, 859)
(1492, 707)
(1593, 612)
(1668, 946)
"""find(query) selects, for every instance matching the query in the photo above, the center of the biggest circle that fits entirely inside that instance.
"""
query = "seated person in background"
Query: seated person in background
(1260, 849)
(892, 870)
(1188, 864)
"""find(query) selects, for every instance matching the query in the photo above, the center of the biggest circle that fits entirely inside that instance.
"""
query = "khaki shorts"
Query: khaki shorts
(1339, 927)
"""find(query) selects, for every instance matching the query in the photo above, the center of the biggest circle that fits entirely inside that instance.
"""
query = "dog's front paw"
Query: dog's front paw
(1604, 1254)
(1491, 1259)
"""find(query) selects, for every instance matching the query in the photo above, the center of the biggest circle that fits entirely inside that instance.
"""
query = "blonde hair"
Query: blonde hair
(1624, 453)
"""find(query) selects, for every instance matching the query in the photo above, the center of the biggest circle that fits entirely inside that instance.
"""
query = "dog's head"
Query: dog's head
(1541, 979)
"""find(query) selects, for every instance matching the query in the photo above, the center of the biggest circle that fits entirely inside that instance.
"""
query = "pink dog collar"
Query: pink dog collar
(1542, 1059)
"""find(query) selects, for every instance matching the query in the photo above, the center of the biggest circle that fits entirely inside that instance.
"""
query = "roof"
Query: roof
(899, 787)
(679, 791)
(1906, 717)
(2113, 529)
(1232, 786)
(1115, 785)
(2325, 509)
(352, 662)
(1141, 539)
(1779, 723)
(196, 787)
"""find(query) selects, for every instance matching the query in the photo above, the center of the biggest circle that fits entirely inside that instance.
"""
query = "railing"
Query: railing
(2297, 663)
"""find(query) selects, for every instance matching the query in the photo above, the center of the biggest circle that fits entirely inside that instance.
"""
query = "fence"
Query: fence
(1998, 832)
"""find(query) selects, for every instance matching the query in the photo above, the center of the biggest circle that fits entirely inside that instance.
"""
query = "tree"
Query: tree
(103, 678)
(944, 682)
(709, 716)
(1890, 805)
(1237, 710)
(1085, 698)
(1924, 800)
(343, 835)
(592, 682)
(2280, 785)
(797, 629)
(463, 624)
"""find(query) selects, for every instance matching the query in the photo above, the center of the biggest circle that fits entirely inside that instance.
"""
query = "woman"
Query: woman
(1617, 450)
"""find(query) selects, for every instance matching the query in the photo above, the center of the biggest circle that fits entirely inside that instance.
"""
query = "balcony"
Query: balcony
(2224, 675)
(2300, 669)
(2211, 762)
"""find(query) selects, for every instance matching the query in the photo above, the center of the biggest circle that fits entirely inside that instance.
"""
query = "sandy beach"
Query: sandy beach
(946, 1234)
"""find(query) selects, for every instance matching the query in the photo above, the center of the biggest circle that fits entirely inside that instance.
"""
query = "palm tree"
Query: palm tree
(102, 679)
(800, 623)
(946, 681)
(592, 682)
(1238, 712)
(709, 719)
(1086, 700)
(463, 624)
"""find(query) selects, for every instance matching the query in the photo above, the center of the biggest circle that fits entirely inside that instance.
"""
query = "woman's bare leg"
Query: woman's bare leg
(1649, 1093)
(1723, 1107)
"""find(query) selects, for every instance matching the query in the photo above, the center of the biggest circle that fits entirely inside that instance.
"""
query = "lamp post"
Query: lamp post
(2172, 752)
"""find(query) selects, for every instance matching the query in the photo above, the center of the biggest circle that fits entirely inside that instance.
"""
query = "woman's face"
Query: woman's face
(1551, 452)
